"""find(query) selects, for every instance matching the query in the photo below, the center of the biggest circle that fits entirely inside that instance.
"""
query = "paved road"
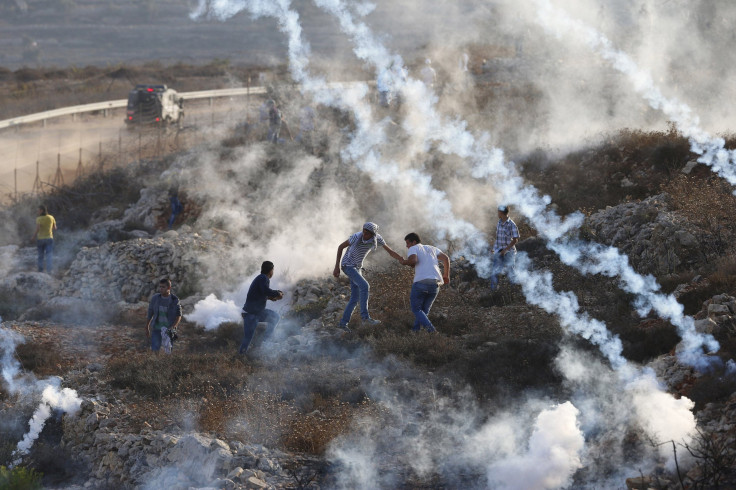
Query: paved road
(23, 146)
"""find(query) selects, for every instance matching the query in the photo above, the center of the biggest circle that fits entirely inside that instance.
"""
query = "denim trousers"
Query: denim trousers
(502, 264)
(250, 323)
(359, 291)
(160, 338)
(421, 299)
(45, 248)
(172, 219)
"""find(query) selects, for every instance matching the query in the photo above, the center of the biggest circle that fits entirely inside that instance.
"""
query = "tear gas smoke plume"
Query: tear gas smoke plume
(711, 149)
(53, 397)
(365, 148)
(489, 164)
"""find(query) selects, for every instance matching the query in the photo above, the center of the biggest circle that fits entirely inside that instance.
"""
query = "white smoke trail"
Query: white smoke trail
(489, 164)
(538, 287)
(363, 150)
(52, 397)
(552, 457)
(211, 312)
(712, 150)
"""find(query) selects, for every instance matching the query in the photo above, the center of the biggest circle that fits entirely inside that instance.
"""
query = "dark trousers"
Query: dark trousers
(45, 248)
(250, 323)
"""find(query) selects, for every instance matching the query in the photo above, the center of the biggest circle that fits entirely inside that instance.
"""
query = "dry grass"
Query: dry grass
(590, 179)
(709, 204)
(721, 280)
(41, 358)
(179, 375)
(216, 390)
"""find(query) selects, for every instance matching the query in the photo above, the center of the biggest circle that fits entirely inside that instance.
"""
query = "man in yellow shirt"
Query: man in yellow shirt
(44, 236)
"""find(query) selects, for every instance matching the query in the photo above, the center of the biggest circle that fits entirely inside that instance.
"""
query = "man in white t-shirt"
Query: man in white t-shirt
(359, 245)
(427, 278)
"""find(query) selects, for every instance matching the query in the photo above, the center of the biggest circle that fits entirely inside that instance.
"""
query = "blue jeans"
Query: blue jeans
(45, 248)
(273, 133)
(250, 323)
(502, 264)
(422, 297)
(359, 291)
(172, 219)
(155, 339)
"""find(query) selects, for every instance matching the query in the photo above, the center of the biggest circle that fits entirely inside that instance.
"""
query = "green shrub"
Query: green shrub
(19, 478)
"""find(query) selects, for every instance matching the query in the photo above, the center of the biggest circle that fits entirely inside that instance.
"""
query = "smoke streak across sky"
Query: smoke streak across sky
(490, 165)
(364, 151)
(712, 150)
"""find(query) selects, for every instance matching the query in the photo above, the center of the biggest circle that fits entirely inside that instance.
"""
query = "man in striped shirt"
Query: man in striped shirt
(504, 249)
(359, 245)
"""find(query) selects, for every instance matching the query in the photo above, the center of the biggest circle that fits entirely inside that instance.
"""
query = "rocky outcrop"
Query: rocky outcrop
(657, 240)
(164, 459)
(717, 317)
(128, 270)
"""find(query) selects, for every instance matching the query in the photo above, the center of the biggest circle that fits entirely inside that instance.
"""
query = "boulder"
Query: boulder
(656, 239)
(129, 270)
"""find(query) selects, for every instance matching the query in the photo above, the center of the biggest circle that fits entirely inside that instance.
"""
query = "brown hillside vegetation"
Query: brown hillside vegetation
(283, 411)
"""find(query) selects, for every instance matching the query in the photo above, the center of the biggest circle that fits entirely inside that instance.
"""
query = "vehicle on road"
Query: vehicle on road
(153, 105)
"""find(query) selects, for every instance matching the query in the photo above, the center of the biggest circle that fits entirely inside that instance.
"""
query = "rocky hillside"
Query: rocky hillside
(315, 407)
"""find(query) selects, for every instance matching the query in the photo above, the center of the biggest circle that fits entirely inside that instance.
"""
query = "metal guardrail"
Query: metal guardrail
(117, 104)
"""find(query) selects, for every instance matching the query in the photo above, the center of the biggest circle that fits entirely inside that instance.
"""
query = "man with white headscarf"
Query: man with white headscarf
(359, 245)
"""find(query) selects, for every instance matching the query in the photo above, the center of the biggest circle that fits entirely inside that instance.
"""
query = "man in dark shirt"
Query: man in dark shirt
(254, 310)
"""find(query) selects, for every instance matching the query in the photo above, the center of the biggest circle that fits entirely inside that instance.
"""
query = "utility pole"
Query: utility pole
(59, 177)
(247, 103)
(37, 183)
(80, 168)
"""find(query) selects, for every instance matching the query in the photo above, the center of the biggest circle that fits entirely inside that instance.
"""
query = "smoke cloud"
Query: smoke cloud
(370, 149)
(53, 397)
(552, 456)
(711, 149)
(211, 312)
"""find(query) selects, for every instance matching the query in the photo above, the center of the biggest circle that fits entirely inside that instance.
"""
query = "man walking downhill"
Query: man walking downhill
(427, 278)
(504, 249)
(255, 311)
(44, 236)
(359, 245)
(164, 315)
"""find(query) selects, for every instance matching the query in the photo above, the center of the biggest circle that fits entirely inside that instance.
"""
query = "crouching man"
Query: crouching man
(255, 311)
(164, 315)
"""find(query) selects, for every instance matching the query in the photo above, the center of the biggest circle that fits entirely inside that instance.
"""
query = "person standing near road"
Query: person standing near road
(504, 249)
(359, 245)
(275, 119)
(44, 236)
(427, 278)
(255, 311)
(164, 315)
